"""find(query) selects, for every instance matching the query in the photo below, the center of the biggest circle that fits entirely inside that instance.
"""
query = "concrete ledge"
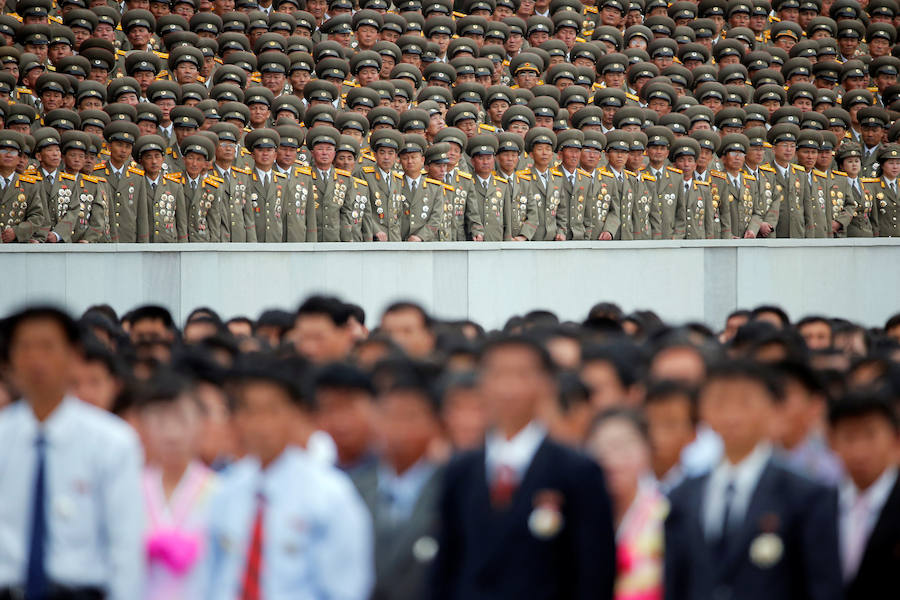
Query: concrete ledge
(858, 279)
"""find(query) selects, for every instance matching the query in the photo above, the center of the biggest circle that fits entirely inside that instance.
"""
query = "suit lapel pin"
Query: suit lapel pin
(766, 550)
(546, 519)
(425, 549)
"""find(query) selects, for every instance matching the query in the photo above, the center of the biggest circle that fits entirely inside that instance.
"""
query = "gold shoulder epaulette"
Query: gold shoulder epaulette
(699, 182)
(465, 175)
(342, 172)
(216, 178)
(632, 97)
(368, 169)
(675, 170)
(632, 173)
(136, 171)
(718, 174)
(361, 181)
(28, 178)
(447, 186)
(67, 176)
(100, 167)
(820, 173)
(302, 171)
(556, 172)
(433, 181)
(606, 173)
(749, 177)
(398, 175)
(281, 175)
(487, 127)
(176, 177)
(841, 173)
(869, 179)
(91, 178)
(583, 172)
(797, 168)
(211, 181)
(500, 179)
(647, 177)
(240, 170)
(767, 168)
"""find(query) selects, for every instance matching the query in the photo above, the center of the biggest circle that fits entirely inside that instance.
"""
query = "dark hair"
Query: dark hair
(408, 305)
(409, 376)
(801, 372)
(629, 415)
(503, 341)
(892, 322)
(863, 403)
(747, 370)
(605, 310)
(102, 309)
(647, 321)
(152, 312)
(571, 391)
(778, 311)
(451, 381)
(11, 324)
(665, 389)
(540, 318)
(358, 313)
(623, 356)
(241, 319)
(94, 351)
(287, 372)
(342, 376)
(204, 313)
(166, 385)
(328, 306)
(604, 326)
(812, 319)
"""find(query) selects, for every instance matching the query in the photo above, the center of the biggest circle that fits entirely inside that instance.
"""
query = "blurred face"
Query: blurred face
(542, 154)
(41, 359)
(139, 37)
(867, 445)
(464, 418)
(798, 413)
(607, 390)
(734, 161)
(74, 160)
(817, 335)
(617, 159)
(93, 383)
(170, 431)
(264, 418)
(412, 163)
(406, 426)
(513, 383)
(323, 155)
(740, 410)
(317, 338)
(807, 157)
(385, 158)
(624, 455)
(671, 429)
(407, 329)
(345, 160)
(49, 158)
(152, 161)
(483, 164)
(784, 152)
(195, 164)
(225, 151)
(347, 416)
(508, 161)
(680, 363)
(891, 168)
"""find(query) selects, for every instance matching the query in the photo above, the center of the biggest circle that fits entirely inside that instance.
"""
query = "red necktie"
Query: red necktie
(503, 486)
(251, 585)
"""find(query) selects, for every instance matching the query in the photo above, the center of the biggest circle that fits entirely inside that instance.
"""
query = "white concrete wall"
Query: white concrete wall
(682, 281)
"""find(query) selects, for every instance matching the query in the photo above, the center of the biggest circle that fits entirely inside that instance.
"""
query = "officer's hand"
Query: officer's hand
(606, 236)
(381, 236)
(414, 238)
(520, 238)
(749, 235)
(835, 227)
(478, 237)
(560, 237)
(8, 235)
(53, 237)
(765, 229)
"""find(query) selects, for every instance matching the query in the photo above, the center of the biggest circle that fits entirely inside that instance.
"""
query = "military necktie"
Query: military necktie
(894, 187)
(194, 185)
(153, 187)
(687, 188)
(412, 186)
(36, 575)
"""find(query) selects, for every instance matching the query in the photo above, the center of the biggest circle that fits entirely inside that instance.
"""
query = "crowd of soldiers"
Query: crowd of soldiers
(447, 120)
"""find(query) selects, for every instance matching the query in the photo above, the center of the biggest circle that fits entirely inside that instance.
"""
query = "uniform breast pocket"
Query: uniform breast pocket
(74, 509)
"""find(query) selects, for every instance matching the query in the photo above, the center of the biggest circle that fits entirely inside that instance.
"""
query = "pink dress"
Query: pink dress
(176, 530)
(639, 547)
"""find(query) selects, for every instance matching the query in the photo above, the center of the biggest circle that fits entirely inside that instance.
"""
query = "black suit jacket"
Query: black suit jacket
(803, 515)
(878, 575)
(492, 554)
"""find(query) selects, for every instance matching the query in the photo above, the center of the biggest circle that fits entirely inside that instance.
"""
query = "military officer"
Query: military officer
(883, 193)
(124, 182)
(486, 216)
(78, 210)
(460, 178)
(49, 157)
(740, 210)
(663, 187)
(263, 187)
(382, 223)
(849, 160)
(545, 185)
(788, 199)
(522, 210)
(764, 176)
(186, 120)
(202, 190)
(299, 203)
(694, 212)
(421, 202)
(22, 204)
(576, 182)
(622, 188)
(340, 198)
(164, 217)
(453, 208)
(238, 220)
(840, 205)
(873, 122)
(814, 185)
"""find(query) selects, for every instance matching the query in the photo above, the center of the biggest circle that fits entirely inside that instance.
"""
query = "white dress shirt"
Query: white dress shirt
(410, 181)
(783, 171)
(95, 511)
(859, 512)
(265, 176)
(400, 492)
(317, 532)
(744, 476)
(516, 453)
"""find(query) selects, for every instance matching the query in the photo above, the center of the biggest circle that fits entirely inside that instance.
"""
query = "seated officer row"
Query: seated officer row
(290, 185)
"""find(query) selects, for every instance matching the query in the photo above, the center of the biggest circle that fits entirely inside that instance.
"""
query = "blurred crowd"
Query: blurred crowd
(320, 454)
(447, 120)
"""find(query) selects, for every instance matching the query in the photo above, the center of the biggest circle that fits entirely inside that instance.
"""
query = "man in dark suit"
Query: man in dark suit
(864, 433)
(403, 487)
(522, 517)
(751, 528)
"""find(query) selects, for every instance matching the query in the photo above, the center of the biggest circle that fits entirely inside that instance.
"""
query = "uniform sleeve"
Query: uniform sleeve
(98, 224)
(579, 198)
(123, 513)
(725, 232)
(474, 222)
(181, 215)
(36, 223)
(845, 215)
(679, 223)
(345, 559)
(821, 562)
(249, 218)
(532, 217)
(562, 209)
(772, 212)
(346, 215)
(143, 213)
(613, 223)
